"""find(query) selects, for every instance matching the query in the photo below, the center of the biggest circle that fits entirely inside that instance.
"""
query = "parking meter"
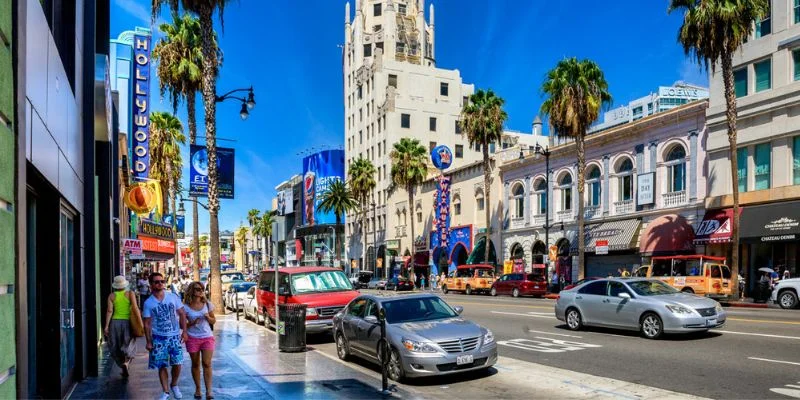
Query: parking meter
(386, 352)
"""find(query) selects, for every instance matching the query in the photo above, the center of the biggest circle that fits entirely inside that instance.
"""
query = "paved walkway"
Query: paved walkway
(247, 365)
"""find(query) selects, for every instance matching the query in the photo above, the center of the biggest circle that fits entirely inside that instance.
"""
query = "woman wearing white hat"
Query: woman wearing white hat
(121, 343)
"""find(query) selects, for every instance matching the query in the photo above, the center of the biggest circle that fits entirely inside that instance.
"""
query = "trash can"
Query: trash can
(292, 327)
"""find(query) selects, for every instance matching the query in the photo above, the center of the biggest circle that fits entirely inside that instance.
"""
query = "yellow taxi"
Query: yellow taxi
(699, 274)
(470, 279)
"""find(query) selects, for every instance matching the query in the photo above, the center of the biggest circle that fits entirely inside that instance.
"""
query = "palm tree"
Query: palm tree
(203, 245)
(482, 119)
(166, 136)
(252, 218)
(409, 168)
(339, 199)
(263, 228)
(205, 9)
(241, 239)
(362, 183)
(180, 61)
(712, 31)
(576, 91)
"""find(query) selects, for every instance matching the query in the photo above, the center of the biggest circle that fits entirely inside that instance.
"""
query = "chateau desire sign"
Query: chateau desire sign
(151, 228)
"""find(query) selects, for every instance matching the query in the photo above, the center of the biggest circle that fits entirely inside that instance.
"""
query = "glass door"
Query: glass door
(67, 265)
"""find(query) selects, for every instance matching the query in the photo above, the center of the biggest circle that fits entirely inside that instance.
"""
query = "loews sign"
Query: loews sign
(154, 229)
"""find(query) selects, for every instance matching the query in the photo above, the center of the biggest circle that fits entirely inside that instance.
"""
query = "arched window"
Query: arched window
(625, 179)
(480, 201)
(540, 189)
(517, 252)
(593, 184)
(565, 188)
(518, 200)
(456, 205)
(676, 169)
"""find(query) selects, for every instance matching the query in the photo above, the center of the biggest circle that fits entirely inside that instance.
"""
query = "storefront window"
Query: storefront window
(762, 161)
(796, 159)
(741, 167)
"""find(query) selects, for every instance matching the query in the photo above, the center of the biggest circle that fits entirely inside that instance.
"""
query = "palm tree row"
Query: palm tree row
(361, 177)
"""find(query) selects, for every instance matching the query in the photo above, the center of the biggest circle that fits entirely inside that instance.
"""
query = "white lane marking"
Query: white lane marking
(775, 361)
(793, 386)
(762, 334)
(557, 334)
(524, 314)
(547, 345)
(787, 392)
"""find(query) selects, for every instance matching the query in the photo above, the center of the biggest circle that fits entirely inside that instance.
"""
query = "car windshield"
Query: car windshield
(322, 281)
(417, 309)
(236, 276)
(651, 288)
(242, 287)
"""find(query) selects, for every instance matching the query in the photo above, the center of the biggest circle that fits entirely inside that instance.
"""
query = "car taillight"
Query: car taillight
(717, 286)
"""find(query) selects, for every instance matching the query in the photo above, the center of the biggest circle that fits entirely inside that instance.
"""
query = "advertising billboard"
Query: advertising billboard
(140, 109)
(198, 171)
(320, 170)
(285, 202)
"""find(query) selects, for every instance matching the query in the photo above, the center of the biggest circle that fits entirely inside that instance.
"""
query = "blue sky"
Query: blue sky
(288, 51)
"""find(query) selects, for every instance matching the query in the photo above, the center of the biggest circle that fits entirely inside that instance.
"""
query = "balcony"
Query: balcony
(539, 220)
(623, 207)
(564, 216)
(590, 212)
(674, 199)
(517, 222)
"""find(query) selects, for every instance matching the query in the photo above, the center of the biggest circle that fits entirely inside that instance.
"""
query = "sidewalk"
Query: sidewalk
(247, 365)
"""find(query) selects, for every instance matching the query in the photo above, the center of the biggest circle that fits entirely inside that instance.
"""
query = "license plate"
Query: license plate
(461, 360)
(535, 287)
(711, 322)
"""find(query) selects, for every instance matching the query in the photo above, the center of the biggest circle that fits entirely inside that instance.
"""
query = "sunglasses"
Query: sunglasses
(198, 289)
(157, 282)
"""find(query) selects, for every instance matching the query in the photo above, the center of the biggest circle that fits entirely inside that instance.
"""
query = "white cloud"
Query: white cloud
(136, 8)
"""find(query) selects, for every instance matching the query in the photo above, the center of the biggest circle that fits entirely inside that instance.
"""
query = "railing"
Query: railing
(539, 220)
(590, 212)
(517, 222)
(674, 199)
(565, 215)
(623, 207)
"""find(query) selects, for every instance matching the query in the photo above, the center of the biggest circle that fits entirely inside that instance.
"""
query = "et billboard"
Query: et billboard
(320, 170)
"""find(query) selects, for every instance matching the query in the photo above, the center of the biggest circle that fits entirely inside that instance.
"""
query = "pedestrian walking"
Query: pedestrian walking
(165, 330)
(433, 281)
(422, 282)
(143, 287)
(121, 343)
(413, 281)
(200, 344)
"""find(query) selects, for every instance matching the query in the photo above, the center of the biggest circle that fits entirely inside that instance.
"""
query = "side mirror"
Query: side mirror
(283, 290)
(458, 309)
(371, 319)
(624, 295)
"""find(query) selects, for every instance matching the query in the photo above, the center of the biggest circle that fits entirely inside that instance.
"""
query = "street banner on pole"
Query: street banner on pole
(198, 171)
(140, 109)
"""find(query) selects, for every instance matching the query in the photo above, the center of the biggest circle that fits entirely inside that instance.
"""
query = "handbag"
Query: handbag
(137, 326)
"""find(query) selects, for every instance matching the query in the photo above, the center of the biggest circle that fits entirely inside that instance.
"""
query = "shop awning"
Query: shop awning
(478, 253)
(716, 227)
(621, 235)
(670, 233)
(775, 222)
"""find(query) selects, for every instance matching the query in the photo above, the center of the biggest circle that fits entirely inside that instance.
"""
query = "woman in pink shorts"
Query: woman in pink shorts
(200, 345)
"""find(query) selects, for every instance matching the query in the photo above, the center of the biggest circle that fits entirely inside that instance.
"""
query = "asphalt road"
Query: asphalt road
(756, 351)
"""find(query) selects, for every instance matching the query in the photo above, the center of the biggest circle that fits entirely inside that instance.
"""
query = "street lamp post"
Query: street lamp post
(374, 238)
(247, 103)
(544, 151)
(333, 253)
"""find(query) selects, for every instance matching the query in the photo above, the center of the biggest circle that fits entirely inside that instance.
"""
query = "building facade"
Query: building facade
(645, 191)
(767, 86)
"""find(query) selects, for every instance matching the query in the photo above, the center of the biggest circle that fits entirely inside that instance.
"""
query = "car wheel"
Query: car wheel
(787, 299)
(574, 319)
(257, 317)
(395, 367)
(342, 349)
(687, 290)
(493, 292)
(468, 290)
(515, 292)
(444, 289)
(652, 327)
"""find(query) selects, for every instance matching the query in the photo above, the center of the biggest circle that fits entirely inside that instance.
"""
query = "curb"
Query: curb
(738, 304)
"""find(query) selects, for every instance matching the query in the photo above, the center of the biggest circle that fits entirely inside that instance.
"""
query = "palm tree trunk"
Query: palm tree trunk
(581, 183)
(174, 224)
(190, 110)
(487, 177)
(210, 109)
(410, 190)
(730, 114)
(364, 231)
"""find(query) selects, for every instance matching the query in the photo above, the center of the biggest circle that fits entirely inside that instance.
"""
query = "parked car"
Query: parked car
(376, 283)
(398, 284)
(469, 279)
(250, 307)
(786, 292)
(519, 284)
(360, 279)
(581, 282)
(235, 296)
(699, 274)
(324, 290)
(647, 305)
(426, 336)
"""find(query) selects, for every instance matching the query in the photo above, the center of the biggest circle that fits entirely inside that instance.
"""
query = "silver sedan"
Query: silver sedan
(425, 335)
(646, 305)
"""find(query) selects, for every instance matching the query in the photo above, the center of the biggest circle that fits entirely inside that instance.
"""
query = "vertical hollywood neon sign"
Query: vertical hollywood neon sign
(141, 106)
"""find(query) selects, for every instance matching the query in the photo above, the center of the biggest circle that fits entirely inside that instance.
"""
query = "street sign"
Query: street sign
(133, 256)
(601, 247)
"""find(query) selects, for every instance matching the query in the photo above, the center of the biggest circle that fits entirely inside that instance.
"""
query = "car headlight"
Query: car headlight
(311, 311)
(488, 337)
(675, 309)
(718, 308)
(418, 347)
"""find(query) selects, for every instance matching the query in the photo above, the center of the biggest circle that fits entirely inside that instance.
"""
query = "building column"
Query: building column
(606, 185)
(506, 192)
(653, 156)
(527, 201)
(575, 192)
(692, 159)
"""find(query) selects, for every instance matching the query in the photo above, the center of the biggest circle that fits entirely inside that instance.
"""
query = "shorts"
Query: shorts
(193, 345)
(167, 351)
